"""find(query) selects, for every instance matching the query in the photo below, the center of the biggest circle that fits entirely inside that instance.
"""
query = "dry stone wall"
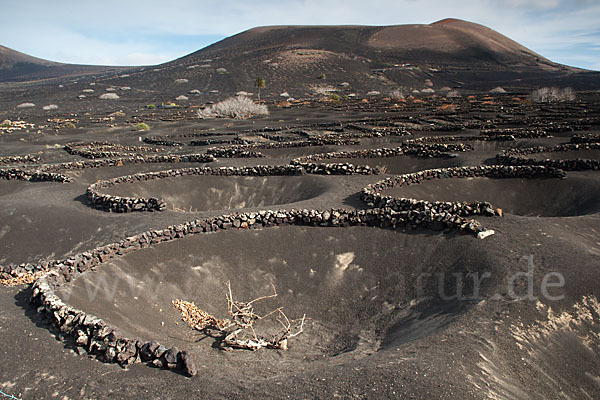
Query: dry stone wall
(32, 176)
(442, 211)
(452, 139)
(105, 149)
(248, 150)
(161, 142)
(588, 138)
(49, 172)
(432, 150)
(517, 157)
(97, 337)
(138, 159)
(28, 158)
(521, 133)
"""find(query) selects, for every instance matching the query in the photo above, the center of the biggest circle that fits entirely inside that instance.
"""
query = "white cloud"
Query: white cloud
(531, 4)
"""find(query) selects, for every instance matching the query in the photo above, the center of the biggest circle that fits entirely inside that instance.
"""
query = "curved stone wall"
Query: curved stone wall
(159, 141)
(210, 142)
(431, 150)
(112, 162)
(248, 150)
(105, 149)
(27, 158)
(444, 210)
(452, 139)
(32, 176)
(589, 138)
(521, 133)
(515, 156)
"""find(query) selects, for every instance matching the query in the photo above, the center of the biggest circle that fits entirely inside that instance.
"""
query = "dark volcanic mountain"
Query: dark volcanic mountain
(19, 67)
(359, 59)
(316, 60)
(445, 43)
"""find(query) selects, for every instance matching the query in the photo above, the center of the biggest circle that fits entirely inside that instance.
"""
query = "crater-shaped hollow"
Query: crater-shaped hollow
(356, 285)
(578, 194)
(566, 155)
(212, 192)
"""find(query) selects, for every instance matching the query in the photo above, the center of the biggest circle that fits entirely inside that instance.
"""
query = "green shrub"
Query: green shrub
(335, 97)
(150, 106)
(142, 126)
(69, 125)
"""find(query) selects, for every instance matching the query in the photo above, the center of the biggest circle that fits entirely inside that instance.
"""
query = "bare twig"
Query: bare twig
(240, 332)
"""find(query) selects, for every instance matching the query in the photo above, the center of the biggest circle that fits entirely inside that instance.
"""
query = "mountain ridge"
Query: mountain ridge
(349, 59)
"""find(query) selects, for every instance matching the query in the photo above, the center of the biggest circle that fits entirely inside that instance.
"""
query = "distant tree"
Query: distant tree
(259, 83)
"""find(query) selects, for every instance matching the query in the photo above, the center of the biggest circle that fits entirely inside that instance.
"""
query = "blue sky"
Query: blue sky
(132, 32)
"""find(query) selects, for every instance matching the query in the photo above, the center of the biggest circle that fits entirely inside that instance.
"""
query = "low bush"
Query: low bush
(397, 94)
(109, 96)
(552, 95)
(142, 126)
(234, 107)
(324, 90)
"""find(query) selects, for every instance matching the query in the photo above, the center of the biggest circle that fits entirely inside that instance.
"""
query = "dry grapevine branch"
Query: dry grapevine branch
(239, 332)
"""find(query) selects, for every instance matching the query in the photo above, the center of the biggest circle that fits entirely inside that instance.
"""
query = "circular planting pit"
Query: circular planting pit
(567, 155)
(10, 187)
(406, 158)
(362, 289)
(579, 194)
(213, 192)
(384, 141)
